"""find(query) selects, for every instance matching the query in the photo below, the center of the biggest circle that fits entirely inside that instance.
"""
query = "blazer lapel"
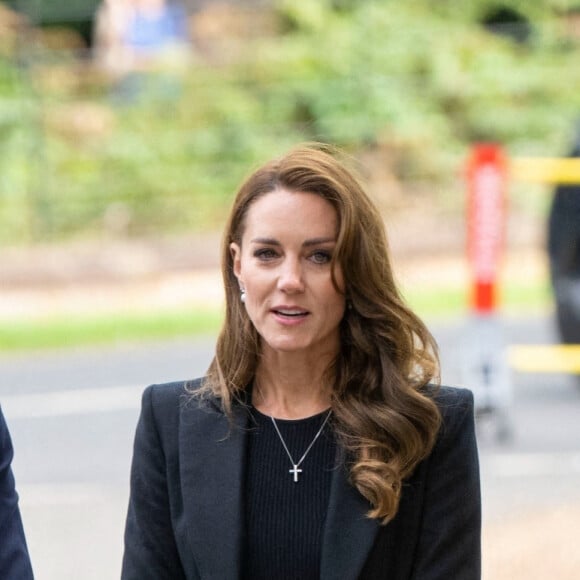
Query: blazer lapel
(212, 454)
(348, 533)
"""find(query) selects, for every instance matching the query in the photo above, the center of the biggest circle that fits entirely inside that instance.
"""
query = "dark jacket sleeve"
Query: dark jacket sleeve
(450, 536)
(14, 559)
(150, 547)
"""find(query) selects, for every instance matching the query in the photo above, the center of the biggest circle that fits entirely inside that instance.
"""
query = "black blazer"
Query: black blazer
(14, 559)
(185, 518)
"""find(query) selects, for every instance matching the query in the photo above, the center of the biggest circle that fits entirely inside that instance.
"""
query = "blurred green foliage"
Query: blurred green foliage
(416, 81)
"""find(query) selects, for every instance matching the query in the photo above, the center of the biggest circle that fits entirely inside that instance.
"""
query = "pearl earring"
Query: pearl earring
(243, 296)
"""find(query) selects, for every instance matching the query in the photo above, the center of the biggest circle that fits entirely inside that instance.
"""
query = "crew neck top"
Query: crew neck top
(285, 519)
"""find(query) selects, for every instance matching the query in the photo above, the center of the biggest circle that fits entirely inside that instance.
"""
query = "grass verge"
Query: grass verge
(515, 298)
(106, 329)
(444, 302)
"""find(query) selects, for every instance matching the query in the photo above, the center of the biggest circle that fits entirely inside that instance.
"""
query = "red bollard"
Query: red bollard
(486, 212)
(485, 365)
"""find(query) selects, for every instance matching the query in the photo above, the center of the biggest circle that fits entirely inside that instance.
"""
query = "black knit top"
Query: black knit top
(284, 518)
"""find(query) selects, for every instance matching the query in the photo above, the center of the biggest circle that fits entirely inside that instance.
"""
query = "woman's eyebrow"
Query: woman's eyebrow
(306, 244)
(318, 241)
(267, 241)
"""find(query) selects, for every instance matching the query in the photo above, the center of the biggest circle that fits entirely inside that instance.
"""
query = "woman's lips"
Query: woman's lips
(289, 315)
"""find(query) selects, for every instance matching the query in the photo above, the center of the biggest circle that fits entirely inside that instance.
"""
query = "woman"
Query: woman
(316, 446)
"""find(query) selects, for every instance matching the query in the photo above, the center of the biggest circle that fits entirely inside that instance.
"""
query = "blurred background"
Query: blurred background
(125, 127)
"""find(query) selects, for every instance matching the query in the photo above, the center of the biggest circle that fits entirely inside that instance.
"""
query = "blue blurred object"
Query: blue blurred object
(14, 559)
(147, 33)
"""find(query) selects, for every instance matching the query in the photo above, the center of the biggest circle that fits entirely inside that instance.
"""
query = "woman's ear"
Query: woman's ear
(236, 253)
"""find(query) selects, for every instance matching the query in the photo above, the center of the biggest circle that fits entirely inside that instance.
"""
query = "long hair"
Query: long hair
(384, 415)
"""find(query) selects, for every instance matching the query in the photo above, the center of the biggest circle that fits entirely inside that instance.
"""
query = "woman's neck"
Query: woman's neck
(287, 388)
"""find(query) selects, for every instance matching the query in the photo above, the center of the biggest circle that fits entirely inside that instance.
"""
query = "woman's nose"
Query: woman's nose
(290, 278)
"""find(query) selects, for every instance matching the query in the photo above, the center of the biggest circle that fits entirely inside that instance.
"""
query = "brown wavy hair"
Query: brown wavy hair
(384, 415)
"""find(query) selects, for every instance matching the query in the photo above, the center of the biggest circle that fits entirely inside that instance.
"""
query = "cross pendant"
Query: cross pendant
(295, 471)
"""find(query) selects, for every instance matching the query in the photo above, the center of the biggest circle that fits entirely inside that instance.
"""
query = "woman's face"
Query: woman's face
(283, 264)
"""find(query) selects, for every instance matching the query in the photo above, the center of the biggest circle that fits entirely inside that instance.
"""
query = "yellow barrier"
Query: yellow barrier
(545, 169)
(535, 358)
(539, 358)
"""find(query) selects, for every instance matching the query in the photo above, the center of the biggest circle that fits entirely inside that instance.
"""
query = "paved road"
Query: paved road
(72, 416)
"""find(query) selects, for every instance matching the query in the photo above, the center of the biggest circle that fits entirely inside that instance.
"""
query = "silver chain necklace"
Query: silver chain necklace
(296, 464)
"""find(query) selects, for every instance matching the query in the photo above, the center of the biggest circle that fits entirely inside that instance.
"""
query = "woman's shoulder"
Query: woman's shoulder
(451, 397)
(166, 406)
(456, 405)
(174, 389)
(170, 398)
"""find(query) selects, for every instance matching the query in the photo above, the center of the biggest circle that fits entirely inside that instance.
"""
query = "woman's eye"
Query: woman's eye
(265, 254)
(321, 257)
